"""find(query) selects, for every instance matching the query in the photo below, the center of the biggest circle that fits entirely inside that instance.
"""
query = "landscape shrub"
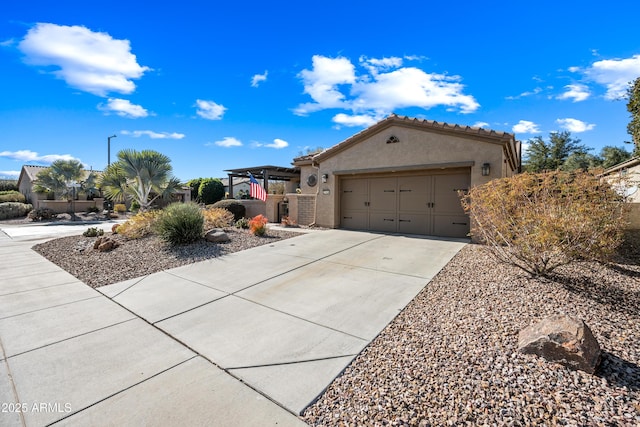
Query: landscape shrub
(12, 196)
(210, 191)
(181, 223)
(194, 186)
(120, 208)
(258, 225)
(93, 209)
(235, 207)
(8, 185)
(140, 225)
(42, 214)
(93, 232)
(10, 210)
(135, 206)
(539, 222)
(242, 223)
(217, 218)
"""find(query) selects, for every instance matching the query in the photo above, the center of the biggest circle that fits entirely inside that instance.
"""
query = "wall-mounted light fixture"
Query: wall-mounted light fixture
(325, 177)
(486, 169)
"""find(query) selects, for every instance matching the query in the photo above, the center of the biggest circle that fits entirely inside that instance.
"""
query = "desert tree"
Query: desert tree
(140, 176)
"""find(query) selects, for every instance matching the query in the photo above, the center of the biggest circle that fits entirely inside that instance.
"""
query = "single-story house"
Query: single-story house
(401, 175)
(28, 176)
(625, 178)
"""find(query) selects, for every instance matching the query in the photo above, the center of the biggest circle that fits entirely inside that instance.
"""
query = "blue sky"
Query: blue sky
(225, 85)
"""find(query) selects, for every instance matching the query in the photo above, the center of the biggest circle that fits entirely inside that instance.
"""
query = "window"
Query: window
(392, 139)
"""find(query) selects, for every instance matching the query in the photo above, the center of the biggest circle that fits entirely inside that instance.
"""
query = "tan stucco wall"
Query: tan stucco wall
(416, 147)
(628, 179)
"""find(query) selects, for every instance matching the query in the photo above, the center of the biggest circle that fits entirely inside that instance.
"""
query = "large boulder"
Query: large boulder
(216, 236)
(562, 339)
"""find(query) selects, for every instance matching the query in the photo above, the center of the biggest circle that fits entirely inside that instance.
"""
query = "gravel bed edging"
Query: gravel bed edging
(140, 257)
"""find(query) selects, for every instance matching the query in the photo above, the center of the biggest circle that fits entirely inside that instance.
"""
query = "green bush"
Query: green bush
(242, 223)
(93, 232)
(41, 214)
(210, 191)
(194, 186)
(135, 206)
(539, 222)
(10, 210)
(12, 196)
(93, 209)
(8, 185)
(235, 207)
(181, 223)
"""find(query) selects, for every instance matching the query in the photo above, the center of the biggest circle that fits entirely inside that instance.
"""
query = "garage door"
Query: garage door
(424, 204)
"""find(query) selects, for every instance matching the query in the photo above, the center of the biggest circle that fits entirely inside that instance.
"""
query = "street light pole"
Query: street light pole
(109, 164)
(109, 149)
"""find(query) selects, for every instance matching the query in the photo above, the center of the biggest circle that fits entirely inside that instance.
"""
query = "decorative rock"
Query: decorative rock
(564, 340)
(105, 244)
(216, 236)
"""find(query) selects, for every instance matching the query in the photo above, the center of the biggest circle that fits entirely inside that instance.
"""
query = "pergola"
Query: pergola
(276, 173)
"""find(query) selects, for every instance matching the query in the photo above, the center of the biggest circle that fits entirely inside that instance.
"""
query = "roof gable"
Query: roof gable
(480, 134)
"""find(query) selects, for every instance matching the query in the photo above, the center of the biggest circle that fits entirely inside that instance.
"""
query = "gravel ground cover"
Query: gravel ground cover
(140, 257)
(450, 358)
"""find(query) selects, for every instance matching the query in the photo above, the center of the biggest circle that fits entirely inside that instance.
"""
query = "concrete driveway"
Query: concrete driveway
(285, 319)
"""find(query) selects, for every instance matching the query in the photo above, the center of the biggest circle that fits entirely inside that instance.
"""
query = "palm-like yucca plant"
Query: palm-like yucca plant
(58, 177)
(142, 176)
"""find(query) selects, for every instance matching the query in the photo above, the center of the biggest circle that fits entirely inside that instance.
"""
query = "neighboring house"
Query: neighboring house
(625, 178)
(28, 175)
(27, 178)
(401, 175)
(239, 185)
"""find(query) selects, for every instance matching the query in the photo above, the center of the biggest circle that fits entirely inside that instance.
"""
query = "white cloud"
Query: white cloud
(10, 174)
(278, 144)
(382, 88)
(525, 126)
(93, 62)
(210, 110)
(227, 141)
(574, 125)
(376, 65)
(355, 120)
(615, 75)
(32, 156)
(411, 87)
(124, 108)
(256, 79)
(153, 135)
(321, 83)
(480, 125)
(576, 92)
(535, 91)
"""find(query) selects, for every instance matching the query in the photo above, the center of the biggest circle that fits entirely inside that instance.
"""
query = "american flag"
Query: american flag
(255, 190)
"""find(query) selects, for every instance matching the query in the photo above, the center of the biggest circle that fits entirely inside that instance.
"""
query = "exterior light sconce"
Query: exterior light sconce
(486, 169)
(325, 177)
